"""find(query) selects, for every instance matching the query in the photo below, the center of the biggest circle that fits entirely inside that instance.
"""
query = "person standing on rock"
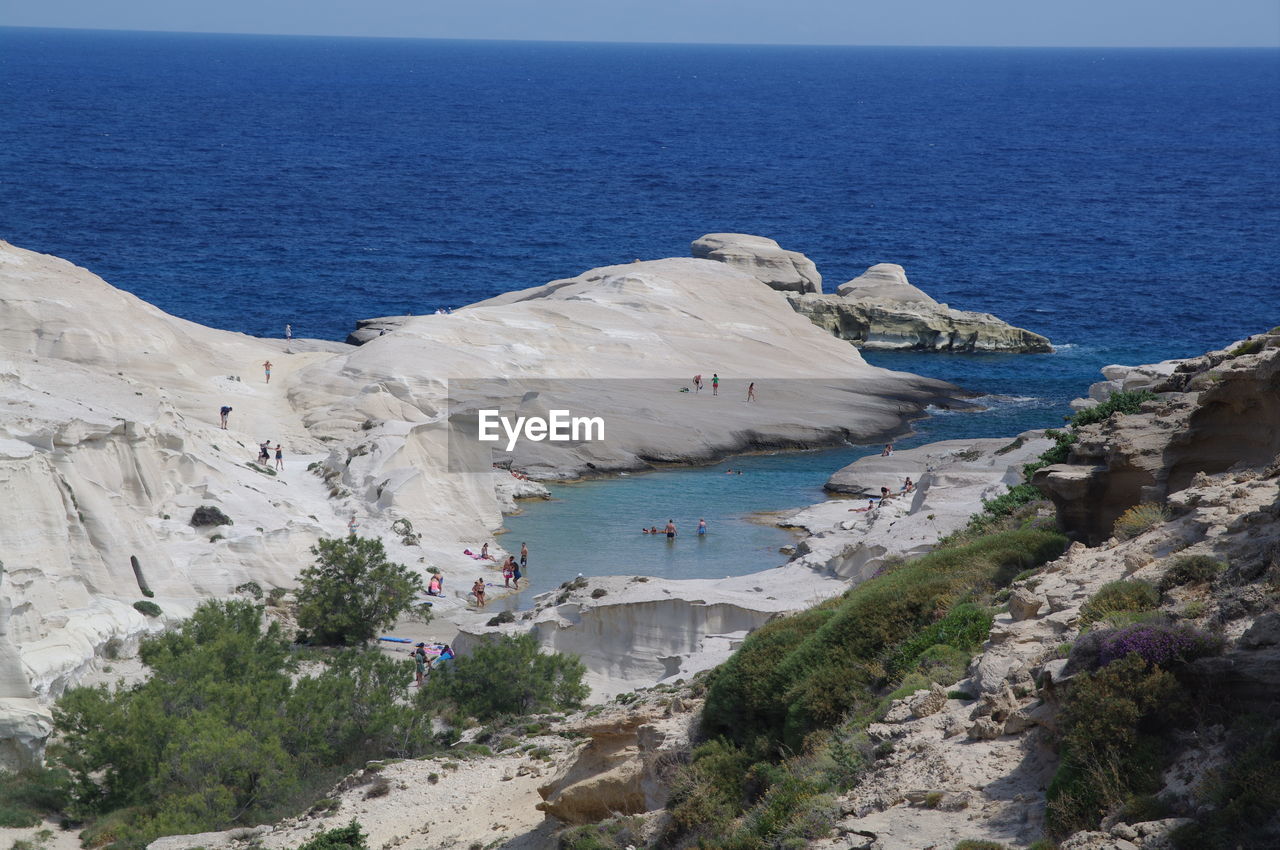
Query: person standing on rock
(477, 590)
(288, 331)
(279, 457)
(223, 414)
(419, 663)
(751, 391)
(266, 367)
(671, 529)
(352, 525)
(715, 384)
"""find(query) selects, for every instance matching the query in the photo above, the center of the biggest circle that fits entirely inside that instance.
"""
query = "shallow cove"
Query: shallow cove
(593, 528)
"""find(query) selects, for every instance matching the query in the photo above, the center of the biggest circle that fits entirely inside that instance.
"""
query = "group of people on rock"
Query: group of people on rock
(908, 486)
(512, 571)
(698, 386)
(427, 657)
(264, 454)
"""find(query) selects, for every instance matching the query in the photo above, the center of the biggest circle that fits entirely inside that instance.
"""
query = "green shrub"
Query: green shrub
(1057, 453)
(1252, 346)
(349, 837)
(223, 732)
(509, 675)
(1191, 569)
(1123, 402)
(1111, 726)
(616, 833)
(943, 664)
(1140, 519)
(147, 608)
(790, 680)
(1010, 501)
(1119, 597)
(352, 591)
(30, 795)
(250, 588)
(965, 628)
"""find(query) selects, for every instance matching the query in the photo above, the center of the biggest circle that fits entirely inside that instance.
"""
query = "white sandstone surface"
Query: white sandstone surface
(109, 436)
(952, 479)
(762, 258)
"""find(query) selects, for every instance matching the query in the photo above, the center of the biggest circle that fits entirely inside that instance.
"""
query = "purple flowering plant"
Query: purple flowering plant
(1159, 644)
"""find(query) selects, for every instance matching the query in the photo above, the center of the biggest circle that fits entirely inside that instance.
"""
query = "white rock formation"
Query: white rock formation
(881, 309)
(762, 258)
(110, 439)
(952, 479)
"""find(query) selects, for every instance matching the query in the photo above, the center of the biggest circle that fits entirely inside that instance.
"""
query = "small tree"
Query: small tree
(352, 591)
(508, 676)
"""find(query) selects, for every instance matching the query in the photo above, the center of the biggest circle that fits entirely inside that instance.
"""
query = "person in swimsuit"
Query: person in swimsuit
(751, 391)
(508, 570)
(288, 331)
(516, 574)
(266, 367)
(433, 588)
(697, 383)
(524, 555)
(671, 530)
(715, 384)
(888, 450)
(264, 452)
(352, 526)
(477, 590)
(223, 413)
(702, 526)
(908, 485)
(279, 457)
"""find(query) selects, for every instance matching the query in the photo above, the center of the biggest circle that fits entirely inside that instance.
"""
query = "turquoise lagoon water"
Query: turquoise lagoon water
(593, 527)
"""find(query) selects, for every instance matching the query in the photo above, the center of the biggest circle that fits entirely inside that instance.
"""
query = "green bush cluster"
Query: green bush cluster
(786, 714)
(223, 732)
(147, 608)
(616, 833)
(1252, 346)
(804, 673)
(28, 796)
(1191, 569)
(349, 837)
(1124, 402)
(506, 676)
(1119, 597)
(1114, 728)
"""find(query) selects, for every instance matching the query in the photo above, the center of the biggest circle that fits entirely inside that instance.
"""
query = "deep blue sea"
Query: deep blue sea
(1122, 202)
